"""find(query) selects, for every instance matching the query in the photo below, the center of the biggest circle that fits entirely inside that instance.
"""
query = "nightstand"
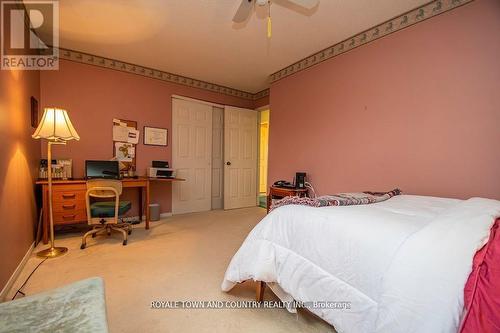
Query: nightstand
(281, 192)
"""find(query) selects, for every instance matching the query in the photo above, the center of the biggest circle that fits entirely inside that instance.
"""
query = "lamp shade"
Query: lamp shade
(55, 125)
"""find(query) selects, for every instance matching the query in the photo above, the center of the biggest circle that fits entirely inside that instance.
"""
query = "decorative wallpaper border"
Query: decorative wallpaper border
(261, 94)
(400, 22)
(122, 66)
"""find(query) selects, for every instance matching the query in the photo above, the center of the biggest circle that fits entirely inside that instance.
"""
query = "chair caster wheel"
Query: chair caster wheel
(82, 246)
(124, 242)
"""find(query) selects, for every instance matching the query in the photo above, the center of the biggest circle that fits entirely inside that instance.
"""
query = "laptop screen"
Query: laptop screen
(102, 169)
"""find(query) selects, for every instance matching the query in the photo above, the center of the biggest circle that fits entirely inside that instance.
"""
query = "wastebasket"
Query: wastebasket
(154, 212)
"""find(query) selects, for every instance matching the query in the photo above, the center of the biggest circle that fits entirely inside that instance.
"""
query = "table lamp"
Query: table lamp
(57, 129)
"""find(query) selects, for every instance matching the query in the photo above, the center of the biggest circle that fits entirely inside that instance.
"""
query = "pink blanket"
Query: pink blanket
(482, 290)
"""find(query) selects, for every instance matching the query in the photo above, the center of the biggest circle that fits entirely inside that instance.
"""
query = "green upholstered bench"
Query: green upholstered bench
(77, 307)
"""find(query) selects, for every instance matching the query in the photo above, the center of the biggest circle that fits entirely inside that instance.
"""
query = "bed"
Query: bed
(400, 265)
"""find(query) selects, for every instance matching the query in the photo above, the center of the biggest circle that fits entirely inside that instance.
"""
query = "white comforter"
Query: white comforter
(401, 264)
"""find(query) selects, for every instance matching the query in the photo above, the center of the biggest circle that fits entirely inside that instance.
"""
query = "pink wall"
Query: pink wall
(19, 158)
(94, 96)
(264, 101)
(419, 110)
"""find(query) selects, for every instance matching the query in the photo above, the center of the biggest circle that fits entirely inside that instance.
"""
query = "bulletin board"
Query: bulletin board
(125, 140)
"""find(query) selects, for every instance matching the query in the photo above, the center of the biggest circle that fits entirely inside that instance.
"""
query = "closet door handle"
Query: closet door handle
(228, 163)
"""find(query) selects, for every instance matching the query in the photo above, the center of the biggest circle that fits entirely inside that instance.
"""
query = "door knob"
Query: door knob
(228, 163)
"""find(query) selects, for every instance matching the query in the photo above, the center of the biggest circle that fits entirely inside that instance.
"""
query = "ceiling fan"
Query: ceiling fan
(246, 8)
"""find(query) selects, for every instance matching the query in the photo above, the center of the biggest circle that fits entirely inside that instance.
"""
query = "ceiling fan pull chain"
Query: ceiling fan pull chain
(269, 24)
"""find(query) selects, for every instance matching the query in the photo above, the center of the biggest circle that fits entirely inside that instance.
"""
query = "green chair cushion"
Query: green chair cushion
(107, 208)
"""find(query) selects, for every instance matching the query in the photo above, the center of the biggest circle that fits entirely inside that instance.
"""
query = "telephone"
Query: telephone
(300, 180)
(283, 183)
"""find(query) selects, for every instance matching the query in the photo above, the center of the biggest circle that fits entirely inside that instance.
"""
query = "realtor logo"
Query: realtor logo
(30, 35)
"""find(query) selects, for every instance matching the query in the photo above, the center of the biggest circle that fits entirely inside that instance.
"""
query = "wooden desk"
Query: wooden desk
(68, 200)
(281, 192)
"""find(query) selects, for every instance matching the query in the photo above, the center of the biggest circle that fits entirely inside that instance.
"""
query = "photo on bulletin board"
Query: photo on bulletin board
(155, 136)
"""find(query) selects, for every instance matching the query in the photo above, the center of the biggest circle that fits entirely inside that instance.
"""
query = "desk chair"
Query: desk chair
(104, 215)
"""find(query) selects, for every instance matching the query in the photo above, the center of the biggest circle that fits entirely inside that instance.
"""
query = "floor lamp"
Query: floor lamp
(57, 129)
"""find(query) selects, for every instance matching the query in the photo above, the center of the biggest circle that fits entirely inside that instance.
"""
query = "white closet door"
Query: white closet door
(240, 154)
(191, 156)
(217, 158)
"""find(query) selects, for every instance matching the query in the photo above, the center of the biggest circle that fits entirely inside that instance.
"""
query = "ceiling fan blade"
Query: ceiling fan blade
(243, 11)
(308, 4)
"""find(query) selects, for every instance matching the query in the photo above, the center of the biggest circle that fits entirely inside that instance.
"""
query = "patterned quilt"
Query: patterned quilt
(341, 199)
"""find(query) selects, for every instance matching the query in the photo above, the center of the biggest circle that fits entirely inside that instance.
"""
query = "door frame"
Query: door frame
(262, 108)
(259, 111)
(221, 181)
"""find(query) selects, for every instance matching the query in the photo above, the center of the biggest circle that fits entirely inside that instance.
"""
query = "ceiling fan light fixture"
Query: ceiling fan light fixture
(269, 27)
(269, 23)
(247, 7)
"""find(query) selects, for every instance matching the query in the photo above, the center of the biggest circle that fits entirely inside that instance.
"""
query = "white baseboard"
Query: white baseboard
(165, 215)
(162, 216)
(14, 275)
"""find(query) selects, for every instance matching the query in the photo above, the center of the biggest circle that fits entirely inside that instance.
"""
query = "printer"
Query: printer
(160, 169)
(161, 172)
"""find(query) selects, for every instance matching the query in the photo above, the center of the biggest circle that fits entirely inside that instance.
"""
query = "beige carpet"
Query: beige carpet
(180, 258)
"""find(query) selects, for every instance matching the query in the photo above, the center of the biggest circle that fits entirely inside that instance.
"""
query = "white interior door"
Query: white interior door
(191, 156)
(217, 158)
(240, 155)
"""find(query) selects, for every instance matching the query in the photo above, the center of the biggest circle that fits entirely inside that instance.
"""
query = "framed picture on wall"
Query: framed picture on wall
(34, 112)
(155, 136)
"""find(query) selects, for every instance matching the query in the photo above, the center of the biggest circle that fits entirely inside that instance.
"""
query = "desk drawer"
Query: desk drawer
(75, 216)
(68, 206)
(134, 183)
(64, 195)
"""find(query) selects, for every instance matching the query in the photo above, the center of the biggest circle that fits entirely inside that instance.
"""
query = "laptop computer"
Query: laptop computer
(102, 170)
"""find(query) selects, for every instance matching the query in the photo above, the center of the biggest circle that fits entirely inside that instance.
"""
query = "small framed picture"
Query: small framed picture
(155, 136)
(34, 112)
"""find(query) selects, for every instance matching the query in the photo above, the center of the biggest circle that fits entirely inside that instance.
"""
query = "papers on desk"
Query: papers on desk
(124, 133)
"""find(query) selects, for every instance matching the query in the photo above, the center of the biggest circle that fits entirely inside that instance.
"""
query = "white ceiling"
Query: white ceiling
(197, 38)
